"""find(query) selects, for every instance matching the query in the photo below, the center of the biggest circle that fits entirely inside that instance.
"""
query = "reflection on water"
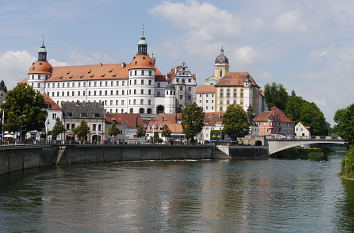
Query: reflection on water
(175, 196)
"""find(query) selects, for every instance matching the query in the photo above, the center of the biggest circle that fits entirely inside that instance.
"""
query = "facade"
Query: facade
(92, 113)
(221, 67)
(137, 87)
(272, 122)
(185, 85)
(127, 123)
(302, 130)
(206, 97)
(239, 88)
(212, 126)
(54, 111)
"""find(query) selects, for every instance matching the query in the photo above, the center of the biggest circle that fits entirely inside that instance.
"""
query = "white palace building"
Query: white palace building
(137, 87)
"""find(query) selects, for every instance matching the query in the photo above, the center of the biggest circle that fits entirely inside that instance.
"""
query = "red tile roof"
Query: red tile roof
(40, 67)
(170, 119)
(269, 115)
(132, 120)
(235, 79)
(206, 89)
(212, 118)
(171, 75)
(52, 104)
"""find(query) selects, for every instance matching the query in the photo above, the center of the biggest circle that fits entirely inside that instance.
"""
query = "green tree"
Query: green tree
(235, 122)
(3, 86)
(344, 127)
(275, 95)
(141, 132)
(156, 137)
(25, 110)
(192, 121)
(293, 107)
(312, 116)
(348, 163)
(166, 132)
(82, 130)
(58, 128)
(113, 131)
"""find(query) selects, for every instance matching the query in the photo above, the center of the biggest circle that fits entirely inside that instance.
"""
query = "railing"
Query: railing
(303, 138)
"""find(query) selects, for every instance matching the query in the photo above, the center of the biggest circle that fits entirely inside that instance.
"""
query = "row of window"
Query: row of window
(228, 95)
(228, 102)
(142, 72)
(94, 127)
(206, 95)
(206, 101)
(99, 93)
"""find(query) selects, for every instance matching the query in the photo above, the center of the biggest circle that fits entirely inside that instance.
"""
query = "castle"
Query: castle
(135, 87)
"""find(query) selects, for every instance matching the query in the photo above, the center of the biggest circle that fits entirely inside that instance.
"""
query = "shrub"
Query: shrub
(348, 164)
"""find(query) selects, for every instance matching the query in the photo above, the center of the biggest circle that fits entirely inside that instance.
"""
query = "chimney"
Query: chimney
(123, 65)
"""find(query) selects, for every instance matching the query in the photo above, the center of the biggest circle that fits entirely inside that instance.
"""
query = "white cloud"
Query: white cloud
(290, 22)
(14, 66)
(245, 55)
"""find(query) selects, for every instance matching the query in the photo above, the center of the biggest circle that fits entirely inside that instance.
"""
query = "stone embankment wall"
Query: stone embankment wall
(37, 156)
(25, 157)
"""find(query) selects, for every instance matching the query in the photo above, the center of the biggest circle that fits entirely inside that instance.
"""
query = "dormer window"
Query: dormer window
(84, 114)
(97, 115)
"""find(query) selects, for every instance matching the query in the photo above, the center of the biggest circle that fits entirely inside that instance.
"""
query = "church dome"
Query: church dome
(40, 67)
(222, 58)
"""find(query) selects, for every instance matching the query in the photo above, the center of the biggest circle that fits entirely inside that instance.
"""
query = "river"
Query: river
(180, 196)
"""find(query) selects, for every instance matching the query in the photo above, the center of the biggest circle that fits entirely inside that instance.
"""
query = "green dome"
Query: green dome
(142, 41)
(42, 49)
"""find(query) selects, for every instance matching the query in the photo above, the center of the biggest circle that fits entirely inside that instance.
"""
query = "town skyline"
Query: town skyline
(272, 46)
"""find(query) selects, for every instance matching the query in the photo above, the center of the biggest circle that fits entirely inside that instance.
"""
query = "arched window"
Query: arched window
(220, 73)
(141, 111)
(131, 110)
(160, 109)
(149, 111)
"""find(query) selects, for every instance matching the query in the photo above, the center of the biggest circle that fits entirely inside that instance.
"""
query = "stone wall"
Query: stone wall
(249, 152)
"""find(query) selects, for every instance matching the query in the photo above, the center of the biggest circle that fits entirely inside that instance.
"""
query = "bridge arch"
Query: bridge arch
(279, 145)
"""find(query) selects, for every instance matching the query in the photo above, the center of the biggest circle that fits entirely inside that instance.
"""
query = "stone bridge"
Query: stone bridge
(277, 144)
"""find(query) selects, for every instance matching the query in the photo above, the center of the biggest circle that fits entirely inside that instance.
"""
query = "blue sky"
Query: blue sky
(307, 45)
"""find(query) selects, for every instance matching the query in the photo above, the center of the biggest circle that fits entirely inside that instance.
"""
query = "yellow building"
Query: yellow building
(239, 88)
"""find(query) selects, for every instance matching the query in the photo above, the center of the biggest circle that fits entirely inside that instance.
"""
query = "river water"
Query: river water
(180, 196)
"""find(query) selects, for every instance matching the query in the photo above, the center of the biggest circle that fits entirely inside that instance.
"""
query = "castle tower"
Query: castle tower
(40, 71)
(170, 98)
(221, 67)
(141, 82)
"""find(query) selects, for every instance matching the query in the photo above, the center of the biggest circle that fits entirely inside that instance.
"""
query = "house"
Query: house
(172, 120)
(54, 111)
(212, 126)
(206, 97)
(302, 131)
(92, 113)
(272, 122)
(127, 123)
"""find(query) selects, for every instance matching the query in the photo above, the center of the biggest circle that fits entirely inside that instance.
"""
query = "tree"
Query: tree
(293, 107)
(113, 131)
(235, 122)
(344, 127)
(192, 121)
(156, 137)
(275, 95)
(58, 128)
(312, 116)
(25, 110)
(166, 132)
(3, 86)
(141, 132)
(82, 130)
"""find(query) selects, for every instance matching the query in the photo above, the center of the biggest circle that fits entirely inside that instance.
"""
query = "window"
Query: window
(94, 127)
(181, 88)
(84, 114)
(105, 92)
(123, 83)
(73, 93)
(67, 126)
(122, 92)
(220, 109)
(149, 92)
(72, 126)
(134, 91)
(142, 91)
(83, 93)
(200, 101)
(99, 127)
(117, 92)
(100, 93)
(142, 82)
(122, 102)
(135, 82)
(149, 82)
(78, 93)
(54, 116)
(181, 97)
(142, 72)
(150, 73)
(116, 102)
(158, 84)
(111, 92)
(189, 88)
(141, 101)
(221, 102)
(189, 97)
(134, 101)
(94, 92)
(149, 102)
(206, 101)
(158, 94)
(135, 72)
(68, 93)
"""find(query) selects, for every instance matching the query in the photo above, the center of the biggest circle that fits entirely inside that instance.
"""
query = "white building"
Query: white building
(137, 87)
(212, 127)
(54, 111)
(302, 130)
(206, 97)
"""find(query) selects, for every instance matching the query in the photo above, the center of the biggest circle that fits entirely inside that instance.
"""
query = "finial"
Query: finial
(222, 48)
(42, 40)
(143, 32)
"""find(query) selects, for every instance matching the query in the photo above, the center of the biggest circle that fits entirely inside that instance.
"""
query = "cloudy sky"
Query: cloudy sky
(307, 45)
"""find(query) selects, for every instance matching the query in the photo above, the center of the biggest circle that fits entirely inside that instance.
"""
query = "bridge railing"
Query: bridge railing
(302, 138)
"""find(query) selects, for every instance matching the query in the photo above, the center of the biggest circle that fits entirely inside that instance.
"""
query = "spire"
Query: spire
(42, 52)
(222, 48)
(142, 44)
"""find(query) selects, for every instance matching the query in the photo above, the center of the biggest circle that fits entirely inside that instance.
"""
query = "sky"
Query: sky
(306, 45)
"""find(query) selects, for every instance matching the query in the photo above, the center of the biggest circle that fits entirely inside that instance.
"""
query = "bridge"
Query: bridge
(277, 144)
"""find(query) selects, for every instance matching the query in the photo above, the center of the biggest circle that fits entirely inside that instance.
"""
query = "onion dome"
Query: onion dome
(170, 86)
(142, 62)
(40, 67)
(222, 58)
